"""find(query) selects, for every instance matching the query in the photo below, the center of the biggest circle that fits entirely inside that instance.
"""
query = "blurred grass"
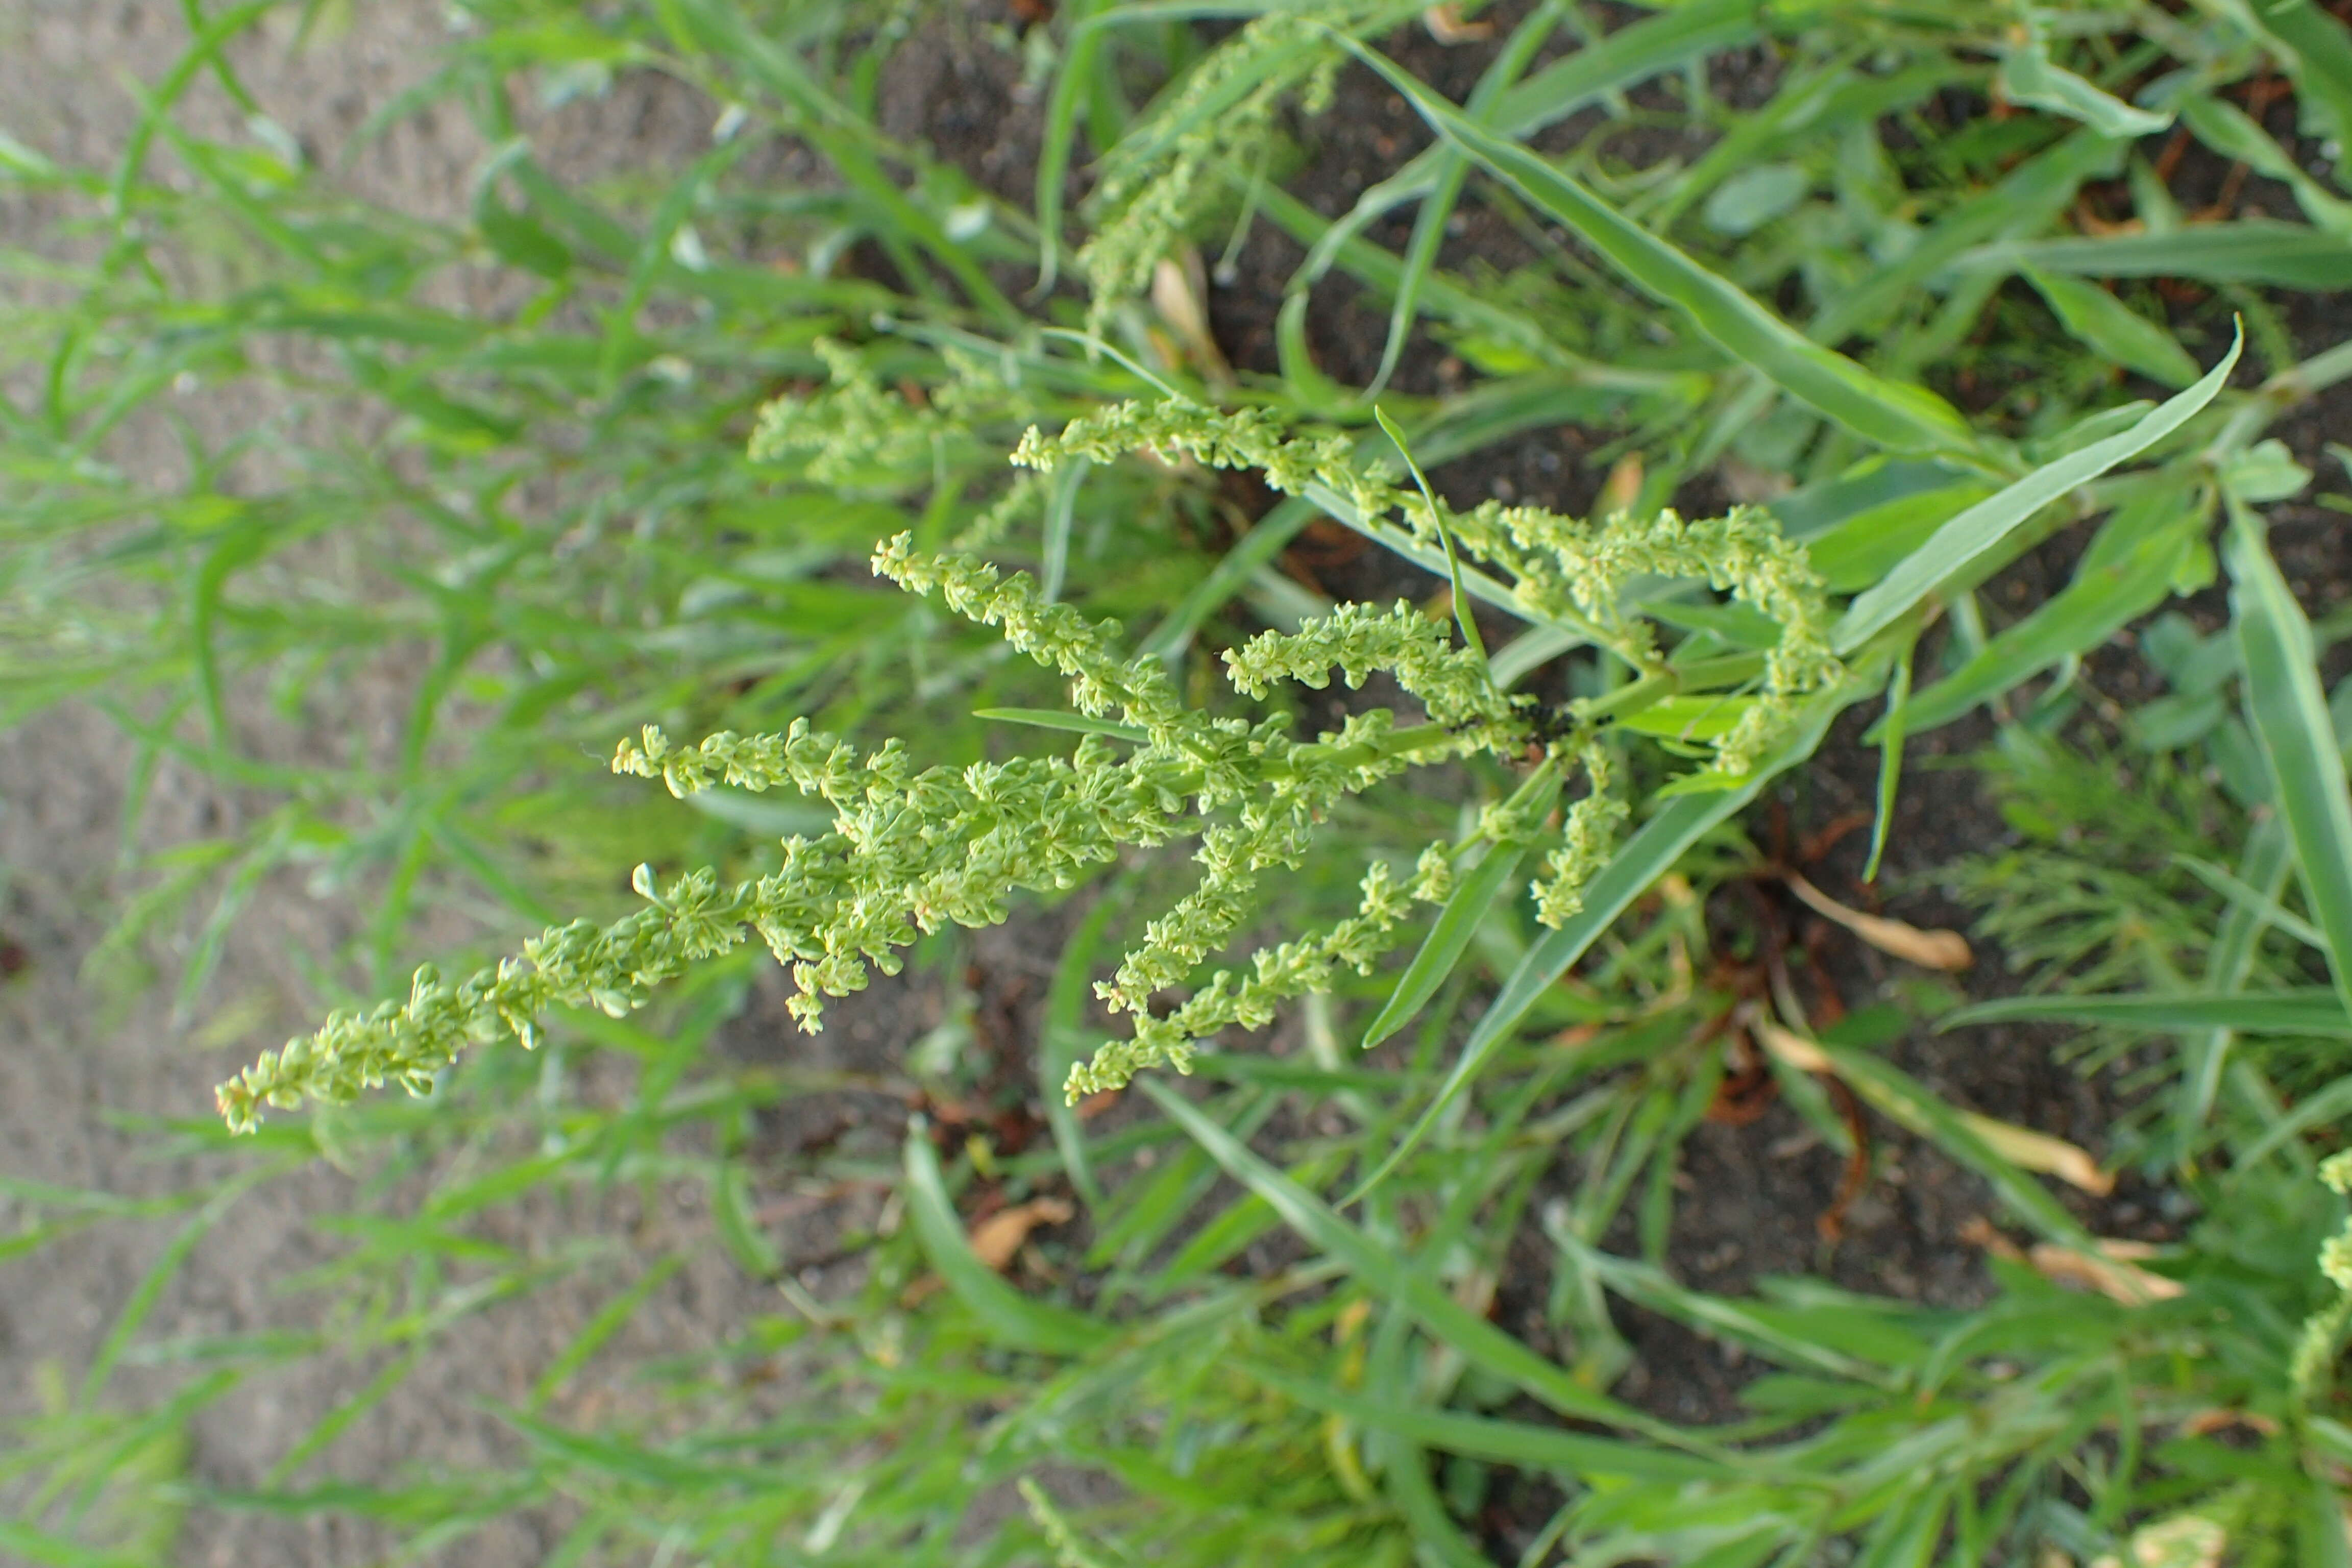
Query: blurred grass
(530, 523)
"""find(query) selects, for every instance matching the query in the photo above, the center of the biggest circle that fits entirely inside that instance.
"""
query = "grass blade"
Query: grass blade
(1891, 731)
(1654, 1289)
(2029, 76)
(1627, 57)
(144, 1295)
(1266, 538)
(1380, 1269)
(2104, 597)
(2315, 1011)
(2289, 713)
(2262, 866)
(1447, 939)
(1891, 414)
(2248, 250)
(1902, 1100)
(2318, 54)
(1462, 609)
(2100, 321)
(1484, 1437)
(1062, 1043)
(1983, 526)
(2314, 1110)
(1054, 718)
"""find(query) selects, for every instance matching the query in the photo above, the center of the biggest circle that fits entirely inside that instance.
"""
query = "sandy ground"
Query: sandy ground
(71, 1057)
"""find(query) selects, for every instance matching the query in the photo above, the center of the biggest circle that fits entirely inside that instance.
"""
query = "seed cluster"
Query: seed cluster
(911, 849)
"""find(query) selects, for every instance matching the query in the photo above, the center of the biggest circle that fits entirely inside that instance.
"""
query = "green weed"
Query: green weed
(640, 498)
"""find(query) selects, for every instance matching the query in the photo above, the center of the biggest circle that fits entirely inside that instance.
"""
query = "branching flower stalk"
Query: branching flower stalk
(1223, 116)
(912, 850)
(1559, 570)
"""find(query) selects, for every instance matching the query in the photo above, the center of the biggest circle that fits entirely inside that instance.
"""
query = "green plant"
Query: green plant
(1351, 1400)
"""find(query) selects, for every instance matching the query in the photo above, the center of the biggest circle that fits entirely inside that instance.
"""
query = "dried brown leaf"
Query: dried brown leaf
(1446, 25)
(1792, 1047)
(1180, 292)
(1943, 950)
(996, 1238)
(2111, 1278)
(2070, 1162)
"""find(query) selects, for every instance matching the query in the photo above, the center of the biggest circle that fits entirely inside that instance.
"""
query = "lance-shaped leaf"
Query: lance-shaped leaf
(2029, 76)
(2105, 596)
(2315, 1010)
(1892, 414)
(1983, 526)
(2290, 717)
(1442, 948)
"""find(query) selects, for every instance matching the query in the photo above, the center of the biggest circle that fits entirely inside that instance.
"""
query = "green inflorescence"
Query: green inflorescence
(912, 850)
(2315, 1351)
(855, 426)
(1560, 569)
(1221, 119)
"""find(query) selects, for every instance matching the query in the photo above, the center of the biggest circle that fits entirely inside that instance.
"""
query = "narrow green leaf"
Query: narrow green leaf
(1651, 1286)
(347, 1411)
(2262, 866)
(1518, 1443)
(2247, 250)
(1062, 1043)
(1463, 615)
(1058, 719)
(2101, 601)
(2107, 326)
(1891, 414)
(2265, 908)
(2317, 53)
(144, 1295)
(2289, 713)
(2029, 76)
(2315, 1011)
(1061, 512)
(2322, 1535)
(1631, 54)
(2233, 132)
(1266, 538)
(2318, 1109)
(760, 814)
(1702, 717)
(39, 1547)
(1983, 526)
(1080, 59)
(739, 1228)
(2025, 201)
(1416, 1290)
(1891, 731)
(1905, 1101)
(1861, 548)
(1448, 938)
(609, 1320)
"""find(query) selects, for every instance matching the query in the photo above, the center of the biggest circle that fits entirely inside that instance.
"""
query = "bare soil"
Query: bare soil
(78, 1063)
